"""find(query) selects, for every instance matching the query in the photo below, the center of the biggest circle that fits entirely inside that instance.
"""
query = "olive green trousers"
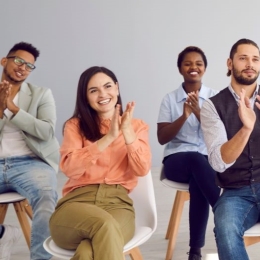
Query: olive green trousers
(95, 220)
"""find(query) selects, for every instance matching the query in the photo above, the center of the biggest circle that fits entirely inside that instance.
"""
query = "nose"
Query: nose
(22, 66)
(249, 64)
(101, 92)
(193, 65)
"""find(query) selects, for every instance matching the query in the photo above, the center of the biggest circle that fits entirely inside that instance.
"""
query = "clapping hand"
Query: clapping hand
(4, 93)
(127, 116)
(123, 123)
(257, 103)
(246, 113)
(191, 104)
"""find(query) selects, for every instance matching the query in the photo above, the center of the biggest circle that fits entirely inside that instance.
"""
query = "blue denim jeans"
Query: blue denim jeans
(236, 211)
(35, 180)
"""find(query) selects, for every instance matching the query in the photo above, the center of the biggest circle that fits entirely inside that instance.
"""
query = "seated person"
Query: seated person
(185, 155)
(29, 151)
(231, 124)
(103, 153)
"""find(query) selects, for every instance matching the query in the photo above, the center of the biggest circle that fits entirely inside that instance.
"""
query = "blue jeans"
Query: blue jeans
(236, 211)
(194, 168)
(35, 180)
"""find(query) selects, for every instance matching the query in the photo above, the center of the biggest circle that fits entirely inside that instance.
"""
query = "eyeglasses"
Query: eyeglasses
(19, 61)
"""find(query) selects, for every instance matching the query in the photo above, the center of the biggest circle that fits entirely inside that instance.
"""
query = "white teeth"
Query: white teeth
(194, 73)
(104, 101)
(19, 74)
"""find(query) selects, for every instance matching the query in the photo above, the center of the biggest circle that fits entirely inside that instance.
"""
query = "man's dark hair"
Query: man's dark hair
(235, 46)
(188, 50)
(24, 46)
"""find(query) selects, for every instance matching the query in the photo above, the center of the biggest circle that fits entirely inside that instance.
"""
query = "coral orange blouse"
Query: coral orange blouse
(83, 163)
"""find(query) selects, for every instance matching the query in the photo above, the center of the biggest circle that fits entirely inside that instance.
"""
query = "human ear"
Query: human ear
(229, 64)
(3, 61)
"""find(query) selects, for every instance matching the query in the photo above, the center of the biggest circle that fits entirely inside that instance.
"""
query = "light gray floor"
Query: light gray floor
(155, 248)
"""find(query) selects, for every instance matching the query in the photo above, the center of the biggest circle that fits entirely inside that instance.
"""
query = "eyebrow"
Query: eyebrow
(97, 87)
(192, 61)
(245, 55)
(24, 60)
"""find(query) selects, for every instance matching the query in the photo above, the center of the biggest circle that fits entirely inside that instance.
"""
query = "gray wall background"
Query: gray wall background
(138, 40)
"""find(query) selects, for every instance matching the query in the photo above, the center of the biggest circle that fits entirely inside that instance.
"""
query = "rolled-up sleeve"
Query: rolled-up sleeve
(214, 135)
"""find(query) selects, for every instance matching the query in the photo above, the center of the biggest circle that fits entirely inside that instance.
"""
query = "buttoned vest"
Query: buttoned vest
(246, 169)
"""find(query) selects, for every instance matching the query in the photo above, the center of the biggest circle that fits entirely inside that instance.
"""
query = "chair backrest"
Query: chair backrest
(144, 202)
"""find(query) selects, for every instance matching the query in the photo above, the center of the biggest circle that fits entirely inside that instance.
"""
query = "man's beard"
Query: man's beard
(242, 80)
(10, 78)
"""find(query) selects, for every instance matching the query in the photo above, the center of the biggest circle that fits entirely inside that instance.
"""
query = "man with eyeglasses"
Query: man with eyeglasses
(29, 151)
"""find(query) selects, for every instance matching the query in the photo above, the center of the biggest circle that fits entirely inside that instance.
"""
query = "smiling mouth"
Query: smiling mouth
(194, 73)
(18, 73)
(105, 101)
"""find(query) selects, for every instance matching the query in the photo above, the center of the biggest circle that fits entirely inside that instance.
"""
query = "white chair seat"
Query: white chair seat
(141, 235)
(50, 246)
(253, 231)
(175, 185)
(10, 197)
(146, 220)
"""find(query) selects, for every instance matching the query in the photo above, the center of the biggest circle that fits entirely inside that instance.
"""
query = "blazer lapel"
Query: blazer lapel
(25, 97)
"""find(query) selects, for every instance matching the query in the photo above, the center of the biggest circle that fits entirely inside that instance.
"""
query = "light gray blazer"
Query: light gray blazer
(37, 119)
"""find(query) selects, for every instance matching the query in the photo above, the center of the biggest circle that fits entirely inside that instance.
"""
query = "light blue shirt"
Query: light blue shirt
(190, 137)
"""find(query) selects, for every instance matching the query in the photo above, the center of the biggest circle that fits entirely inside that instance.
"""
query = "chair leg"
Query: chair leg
(135, 254)
(3, 210)
(23, 219)
(251, 240)
(27, 208)
(177, 208)
(173, 226)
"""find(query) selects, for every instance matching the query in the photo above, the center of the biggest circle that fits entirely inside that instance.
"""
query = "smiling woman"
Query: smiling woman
(102, 94)
(185, 155)
(103, 153)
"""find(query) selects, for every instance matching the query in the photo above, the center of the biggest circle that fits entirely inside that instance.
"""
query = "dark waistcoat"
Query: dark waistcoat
(246, 169)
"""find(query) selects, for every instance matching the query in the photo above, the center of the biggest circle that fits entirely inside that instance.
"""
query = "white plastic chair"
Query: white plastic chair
(23, 211)
(146, 221)
(252, 235)
(182, 195)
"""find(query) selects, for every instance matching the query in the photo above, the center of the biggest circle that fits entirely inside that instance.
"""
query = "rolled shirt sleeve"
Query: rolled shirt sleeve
(214, 135)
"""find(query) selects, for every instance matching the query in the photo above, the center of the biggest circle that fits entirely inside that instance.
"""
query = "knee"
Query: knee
(44, 200)
(226, 231)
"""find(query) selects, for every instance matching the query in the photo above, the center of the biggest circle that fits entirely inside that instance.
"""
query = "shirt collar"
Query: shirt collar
(237, 97)
(182, 95)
